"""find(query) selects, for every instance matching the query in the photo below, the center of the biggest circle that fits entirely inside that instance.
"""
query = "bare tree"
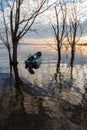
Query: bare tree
(73, 32)
(20, 26)
(73, 28)
(4, 37)
(59, 28)
(22, 15)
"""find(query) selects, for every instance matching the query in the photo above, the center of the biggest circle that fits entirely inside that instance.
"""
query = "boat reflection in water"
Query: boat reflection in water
(31, 69)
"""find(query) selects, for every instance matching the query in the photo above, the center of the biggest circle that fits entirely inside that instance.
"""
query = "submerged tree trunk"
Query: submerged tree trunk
(57, 75)
(15, 62)
(10, 61)
(72, 55)
(16, 74)
(58, 66)
(72, 59)
(59, 54)
(15, 45)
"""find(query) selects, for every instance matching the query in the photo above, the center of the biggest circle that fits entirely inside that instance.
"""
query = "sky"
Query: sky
(43, 22)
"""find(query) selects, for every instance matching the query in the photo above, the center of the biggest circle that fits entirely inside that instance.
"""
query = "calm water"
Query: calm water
(51, 100)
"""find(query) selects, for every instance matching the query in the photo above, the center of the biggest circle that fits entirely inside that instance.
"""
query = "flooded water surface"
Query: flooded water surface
(54, 97)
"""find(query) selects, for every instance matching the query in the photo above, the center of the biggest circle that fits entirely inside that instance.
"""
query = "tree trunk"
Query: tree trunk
(72, 56)
(10, 61)
(14, 62)
(72, 61)
(16, 74)
(15, 43)
(59, 53)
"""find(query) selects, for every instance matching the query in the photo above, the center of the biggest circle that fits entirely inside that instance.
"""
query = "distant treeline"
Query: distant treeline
(82, 44)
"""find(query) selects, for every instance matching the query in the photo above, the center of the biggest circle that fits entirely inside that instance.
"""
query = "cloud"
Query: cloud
(41, 31)
(43, 22)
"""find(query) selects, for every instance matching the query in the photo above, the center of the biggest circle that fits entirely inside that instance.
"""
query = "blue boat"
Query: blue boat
(34, 61)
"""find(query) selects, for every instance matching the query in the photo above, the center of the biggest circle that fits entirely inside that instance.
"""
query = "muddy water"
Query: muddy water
(48, 99)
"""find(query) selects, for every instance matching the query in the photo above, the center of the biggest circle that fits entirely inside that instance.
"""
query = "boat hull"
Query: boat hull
(33, 61)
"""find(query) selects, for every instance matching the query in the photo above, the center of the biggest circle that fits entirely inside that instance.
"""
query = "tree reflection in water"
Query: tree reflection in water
(58, 76)
(18, 118)
(19, 97)
(31, 71)
(42, 112)
(40, 119)
(63, 79)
